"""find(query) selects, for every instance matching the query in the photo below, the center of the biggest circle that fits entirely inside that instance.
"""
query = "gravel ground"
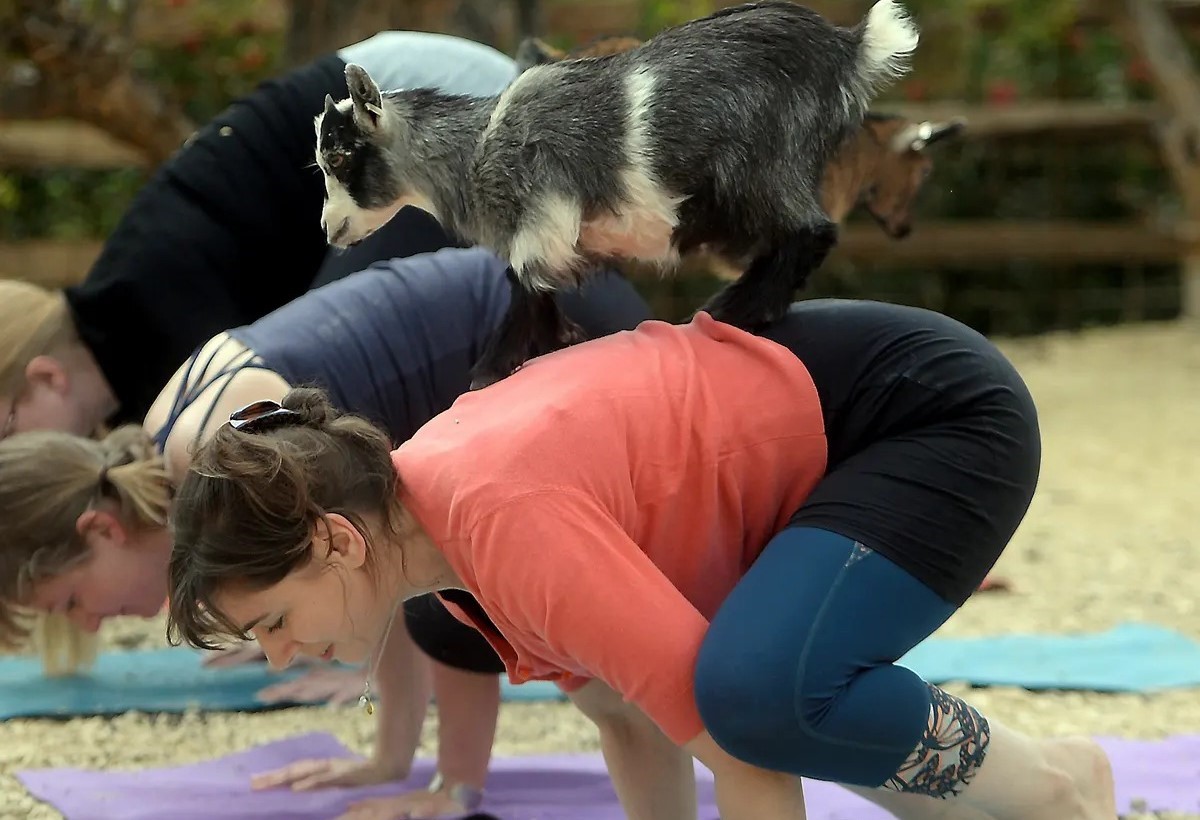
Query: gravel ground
(1112, 536)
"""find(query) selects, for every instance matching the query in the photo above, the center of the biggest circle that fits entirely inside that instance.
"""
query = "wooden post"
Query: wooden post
(1178, 149)
(1149, 29)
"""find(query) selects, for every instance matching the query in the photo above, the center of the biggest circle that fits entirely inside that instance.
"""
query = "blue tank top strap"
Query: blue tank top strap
(187, 393)
(252, 363)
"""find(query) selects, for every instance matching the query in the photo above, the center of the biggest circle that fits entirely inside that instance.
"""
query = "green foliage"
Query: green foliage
(659, 14)
(64, 204)
(206, 75)
(202, 74)
(10, 195)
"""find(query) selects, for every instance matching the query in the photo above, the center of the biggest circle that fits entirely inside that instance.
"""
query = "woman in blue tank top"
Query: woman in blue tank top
(394, 343)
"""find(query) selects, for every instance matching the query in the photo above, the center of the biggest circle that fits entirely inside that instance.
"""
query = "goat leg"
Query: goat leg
(509, 344)
(533, 325)
(763, 294)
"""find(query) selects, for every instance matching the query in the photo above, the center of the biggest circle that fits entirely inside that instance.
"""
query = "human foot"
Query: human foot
(1089, 768)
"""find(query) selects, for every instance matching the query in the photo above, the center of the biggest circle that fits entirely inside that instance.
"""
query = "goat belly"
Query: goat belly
(642, 226)
(634, 235)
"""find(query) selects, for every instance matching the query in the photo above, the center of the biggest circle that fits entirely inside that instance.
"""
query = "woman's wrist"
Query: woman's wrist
(466, 795)
(391, 764)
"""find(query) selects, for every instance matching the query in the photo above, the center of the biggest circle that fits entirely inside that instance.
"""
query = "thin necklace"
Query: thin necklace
(364, 700)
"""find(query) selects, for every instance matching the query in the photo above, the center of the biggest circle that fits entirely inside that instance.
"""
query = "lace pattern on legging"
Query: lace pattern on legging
(954, 745)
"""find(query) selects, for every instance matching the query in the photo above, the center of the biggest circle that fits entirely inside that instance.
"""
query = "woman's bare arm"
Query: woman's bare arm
(209, 411)
(654, 778)
(746, 792)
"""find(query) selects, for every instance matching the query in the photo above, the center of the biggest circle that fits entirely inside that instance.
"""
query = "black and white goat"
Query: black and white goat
(881, 166)
(712, 134)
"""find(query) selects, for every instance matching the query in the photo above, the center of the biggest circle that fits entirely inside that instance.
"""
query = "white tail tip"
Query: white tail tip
(889, 39)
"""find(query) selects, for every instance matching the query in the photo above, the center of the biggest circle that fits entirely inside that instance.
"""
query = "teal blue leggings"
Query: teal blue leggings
(798, 674)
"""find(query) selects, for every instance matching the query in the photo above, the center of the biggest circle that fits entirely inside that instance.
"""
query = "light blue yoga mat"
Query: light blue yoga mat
(1129, 658)
(161, 680)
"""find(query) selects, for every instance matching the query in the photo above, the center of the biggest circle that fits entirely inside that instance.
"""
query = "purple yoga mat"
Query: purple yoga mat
(1162, 775)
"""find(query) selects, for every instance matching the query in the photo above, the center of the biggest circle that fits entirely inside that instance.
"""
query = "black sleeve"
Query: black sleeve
(445, 638)
(225, 231)
(410, 232)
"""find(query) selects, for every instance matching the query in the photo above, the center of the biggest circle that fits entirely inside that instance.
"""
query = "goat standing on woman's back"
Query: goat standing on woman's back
(714, 133)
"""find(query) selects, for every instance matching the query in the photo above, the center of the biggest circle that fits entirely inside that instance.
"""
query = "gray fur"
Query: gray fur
(743, 110)
(530, 52)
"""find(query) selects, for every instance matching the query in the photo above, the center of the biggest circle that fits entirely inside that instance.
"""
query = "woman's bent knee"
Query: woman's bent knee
(723, 698)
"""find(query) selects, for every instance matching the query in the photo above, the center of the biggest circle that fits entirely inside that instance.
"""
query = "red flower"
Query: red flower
(1076, 39)
(916, 90)
(1001, 92)
(253, 58)
(1137, 70)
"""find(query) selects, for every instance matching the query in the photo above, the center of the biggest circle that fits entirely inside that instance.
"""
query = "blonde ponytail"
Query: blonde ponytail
(47, 480)
(137, 476)
(64, 648)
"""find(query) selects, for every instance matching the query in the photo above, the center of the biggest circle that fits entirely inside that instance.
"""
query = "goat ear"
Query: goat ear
(916, 136)
(946, 130)
(533, 51)
(368, 102)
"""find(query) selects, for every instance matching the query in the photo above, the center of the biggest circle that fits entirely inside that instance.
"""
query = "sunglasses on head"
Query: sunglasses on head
(263, 415)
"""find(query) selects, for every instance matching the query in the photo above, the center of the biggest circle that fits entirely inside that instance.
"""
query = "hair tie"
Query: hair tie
(102, 480)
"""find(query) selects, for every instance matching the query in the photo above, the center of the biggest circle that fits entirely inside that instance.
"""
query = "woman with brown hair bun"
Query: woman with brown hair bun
(719, 544)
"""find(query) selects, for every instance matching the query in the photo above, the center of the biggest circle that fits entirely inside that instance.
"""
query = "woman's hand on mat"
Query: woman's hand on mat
(324, 773)
(328, 684)
(412, 806)
(247, 652)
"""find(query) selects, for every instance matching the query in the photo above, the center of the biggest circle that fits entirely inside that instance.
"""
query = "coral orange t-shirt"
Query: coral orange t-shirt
(601, 502)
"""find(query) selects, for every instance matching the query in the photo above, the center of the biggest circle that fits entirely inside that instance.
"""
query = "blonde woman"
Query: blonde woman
(82, 522)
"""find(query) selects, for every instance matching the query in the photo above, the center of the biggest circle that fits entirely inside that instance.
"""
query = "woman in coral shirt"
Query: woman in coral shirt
(718, 543)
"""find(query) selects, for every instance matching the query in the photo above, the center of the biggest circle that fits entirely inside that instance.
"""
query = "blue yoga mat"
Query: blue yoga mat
(161, 680)
(1129, 658)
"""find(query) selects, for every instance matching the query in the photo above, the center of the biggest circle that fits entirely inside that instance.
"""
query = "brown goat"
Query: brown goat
(881, 167)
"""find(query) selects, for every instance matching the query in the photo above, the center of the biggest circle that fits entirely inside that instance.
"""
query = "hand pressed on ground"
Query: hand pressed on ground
(324, 684)
(417, 805)
(323, 773)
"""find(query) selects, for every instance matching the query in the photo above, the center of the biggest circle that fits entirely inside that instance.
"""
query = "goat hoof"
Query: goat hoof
(749, 321)
(488, 377)
(569, 337)
(480, 382)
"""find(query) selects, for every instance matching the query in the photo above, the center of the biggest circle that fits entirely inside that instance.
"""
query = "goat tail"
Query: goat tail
(887, 38)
